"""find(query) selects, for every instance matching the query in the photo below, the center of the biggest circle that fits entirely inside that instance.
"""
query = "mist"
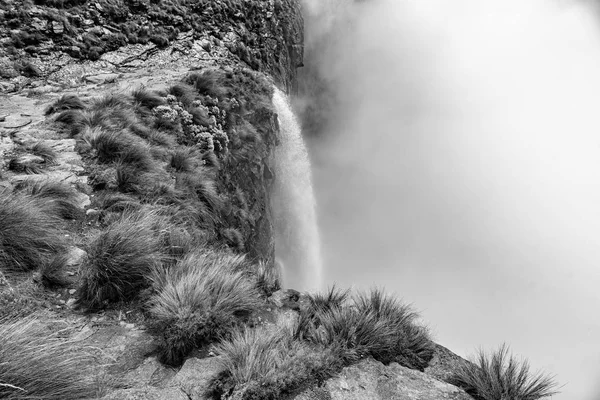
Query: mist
(456, 159)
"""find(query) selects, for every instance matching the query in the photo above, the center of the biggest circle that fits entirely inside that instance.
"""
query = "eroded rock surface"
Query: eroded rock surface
(371, 380)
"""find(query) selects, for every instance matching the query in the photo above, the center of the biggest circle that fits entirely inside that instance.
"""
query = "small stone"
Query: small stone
(38, 24)
(92, 212)
(71, 303)
(129, 326)
(62, 302)
(58, 27)
(72, 291)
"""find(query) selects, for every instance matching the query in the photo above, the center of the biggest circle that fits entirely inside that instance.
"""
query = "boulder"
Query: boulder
(371, 380)
(194, 376)
(148, 393)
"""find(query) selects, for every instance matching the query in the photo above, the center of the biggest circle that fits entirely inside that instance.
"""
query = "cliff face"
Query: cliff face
(40, 39)
(49, 45)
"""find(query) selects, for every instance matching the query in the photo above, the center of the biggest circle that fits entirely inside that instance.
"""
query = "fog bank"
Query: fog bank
(456, 156)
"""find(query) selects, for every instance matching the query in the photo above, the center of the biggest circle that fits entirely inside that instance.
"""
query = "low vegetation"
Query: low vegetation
(36, 364)
(30, 236)
(267, 363)
(500, 376)
(332, 332)
(120, 260)
(200, 299)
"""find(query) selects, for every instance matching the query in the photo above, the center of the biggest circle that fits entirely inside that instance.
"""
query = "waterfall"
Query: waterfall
(297, 243)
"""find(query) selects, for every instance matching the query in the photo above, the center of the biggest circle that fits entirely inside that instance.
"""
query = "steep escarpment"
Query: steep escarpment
(40, 38)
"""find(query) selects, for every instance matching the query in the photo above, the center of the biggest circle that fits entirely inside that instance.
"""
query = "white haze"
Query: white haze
(461, 170)
(297, 242)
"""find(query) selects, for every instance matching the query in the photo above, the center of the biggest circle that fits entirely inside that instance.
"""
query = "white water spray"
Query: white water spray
(297, 243)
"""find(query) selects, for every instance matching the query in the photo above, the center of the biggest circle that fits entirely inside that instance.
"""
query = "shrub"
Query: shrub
(501, 376)
(120, 260)
(29, 237)
(37, 364)
(200, 300)
(66, 102)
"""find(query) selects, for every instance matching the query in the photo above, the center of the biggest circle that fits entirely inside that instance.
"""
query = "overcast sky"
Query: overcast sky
(461, 170)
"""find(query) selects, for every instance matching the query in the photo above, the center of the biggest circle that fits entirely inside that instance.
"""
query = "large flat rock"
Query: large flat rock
(371, 380)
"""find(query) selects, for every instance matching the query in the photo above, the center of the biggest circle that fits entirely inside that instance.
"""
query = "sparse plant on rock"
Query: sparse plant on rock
(500, 376)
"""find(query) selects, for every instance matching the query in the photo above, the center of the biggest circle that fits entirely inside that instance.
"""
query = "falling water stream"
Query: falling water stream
(297, 244)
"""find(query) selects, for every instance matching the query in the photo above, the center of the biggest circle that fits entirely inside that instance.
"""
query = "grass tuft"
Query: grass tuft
(500, 376)
(29, 237)
(66, 102)
(267, 364)
(268, 278)
(37, 364)
(46, 152)
(146, 98)
(120, 260)
(56, 198)
(184, 93)
(201, 299)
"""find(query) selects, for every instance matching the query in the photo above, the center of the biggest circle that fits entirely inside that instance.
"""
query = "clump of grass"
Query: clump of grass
(111, 101)
(268, 363)
(268, 278)
(207, 83)
(37, 364)
(121, 146)
(55, 197)
(120, 260)
(25, 165)
(201, 299)
(41, 149)
(375, 325)
(233, 238)
(184, 93)
(334, 298)
(500, 376)
(146, 98)
(183, 160)
(412, 345)
(200, 184)
(66, 102)
(51, 274)
(29, 234)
